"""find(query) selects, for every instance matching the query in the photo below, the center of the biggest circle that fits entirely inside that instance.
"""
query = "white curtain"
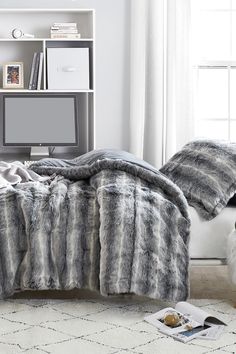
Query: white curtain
(160, 97)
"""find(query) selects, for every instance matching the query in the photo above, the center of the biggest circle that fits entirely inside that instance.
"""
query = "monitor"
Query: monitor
(40, 120)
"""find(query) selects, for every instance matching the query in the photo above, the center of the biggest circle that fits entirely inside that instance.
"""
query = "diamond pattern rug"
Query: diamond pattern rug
(101, 326)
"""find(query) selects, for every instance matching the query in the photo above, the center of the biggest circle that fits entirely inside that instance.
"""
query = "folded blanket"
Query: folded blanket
(105, 221)
(15, 172)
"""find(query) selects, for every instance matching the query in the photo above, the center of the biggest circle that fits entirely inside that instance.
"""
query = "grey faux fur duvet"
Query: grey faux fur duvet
(105, 221)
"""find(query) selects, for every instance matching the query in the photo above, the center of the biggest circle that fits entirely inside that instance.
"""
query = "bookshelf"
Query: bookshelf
(38, 23)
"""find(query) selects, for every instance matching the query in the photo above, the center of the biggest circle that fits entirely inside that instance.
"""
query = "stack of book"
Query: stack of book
(36, 72)
(64, 30)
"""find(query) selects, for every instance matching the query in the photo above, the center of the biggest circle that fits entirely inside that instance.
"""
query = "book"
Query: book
(40, 71)
(32, 71)
(186, 322)
(63, 28)
(64, 31)
(65, 24)
(65, 36)
(35, 75)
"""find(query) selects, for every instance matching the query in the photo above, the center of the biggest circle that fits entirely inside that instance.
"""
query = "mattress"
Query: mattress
(208, 238)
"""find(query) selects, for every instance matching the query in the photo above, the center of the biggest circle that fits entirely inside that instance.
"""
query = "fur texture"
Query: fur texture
(107, 224)
(205, 170)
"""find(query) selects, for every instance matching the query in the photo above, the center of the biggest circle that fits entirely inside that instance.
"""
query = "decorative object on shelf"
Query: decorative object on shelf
(18, 33)
(64, 30)
(13, 75)
(36, 71)
(68, 68)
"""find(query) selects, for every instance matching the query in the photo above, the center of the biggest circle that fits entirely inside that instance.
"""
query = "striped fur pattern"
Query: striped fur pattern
(205, 170)
(110, 225)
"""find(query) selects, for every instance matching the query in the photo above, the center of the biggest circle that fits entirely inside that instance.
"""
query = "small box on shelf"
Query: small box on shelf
(68, 68)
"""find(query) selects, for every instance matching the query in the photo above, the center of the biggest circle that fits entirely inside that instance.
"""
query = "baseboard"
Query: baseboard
(208, 262)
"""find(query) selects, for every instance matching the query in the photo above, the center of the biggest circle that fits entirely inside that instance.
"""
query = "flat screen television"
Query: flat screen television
(40, 120)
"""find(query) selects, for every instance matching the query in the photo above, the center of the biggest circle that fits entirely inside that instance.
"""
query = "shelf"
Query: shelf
(69, 39)
(38, 10)
(43, 91)
(20, 40)
(47, 39)
(38, 21)
(60, 91)
(9, 157)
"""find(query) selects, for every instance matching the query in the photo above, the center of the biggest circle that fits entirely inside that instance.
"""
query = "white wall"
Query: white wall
(112, 64)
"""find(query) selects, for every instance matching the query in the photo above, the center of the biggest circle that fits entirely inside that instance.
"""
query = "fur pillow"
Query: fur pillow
(205, 170)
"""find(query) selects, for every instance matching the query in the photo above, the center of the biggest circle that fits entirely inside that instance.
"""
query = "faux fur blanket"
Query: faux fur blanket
(105, 221)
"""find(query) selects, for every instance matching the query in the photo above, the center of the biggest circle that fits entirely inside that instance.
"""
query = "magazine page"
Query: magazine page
(213, 333)
(196, 313)
(192, 311)
(187, 335)
(170, 321)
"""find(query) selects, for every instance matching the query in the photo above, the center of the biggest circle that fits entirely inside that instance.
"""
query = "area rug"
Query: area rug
(101, 326)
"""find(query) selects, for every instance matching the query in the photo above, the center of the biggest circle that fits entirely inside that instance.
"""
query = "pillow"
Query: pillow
(205, 170)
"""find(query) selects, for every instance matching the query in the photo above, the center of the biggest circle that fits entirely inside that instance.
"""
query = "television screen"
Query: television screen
(40, 120)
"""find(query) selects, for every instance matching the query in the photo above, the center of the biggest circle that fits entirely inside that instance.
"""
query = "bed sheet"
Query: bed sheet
(208, 238)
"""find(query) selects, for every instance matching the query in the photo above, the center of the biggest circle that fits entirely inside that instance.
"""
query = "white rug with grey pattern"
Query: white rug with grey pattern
(101, 326)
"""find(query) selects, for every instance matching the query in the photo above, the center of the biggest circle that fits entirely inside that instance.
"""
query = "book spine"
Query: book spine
(40, 71)
(35, 76)
(32, 71)
(64, 31)
(65, 36)
(63, 28)
(65, 24)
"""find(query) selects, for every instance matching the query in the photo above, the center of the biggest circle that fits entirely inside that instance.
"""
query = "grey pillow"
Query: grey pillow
(205, 170)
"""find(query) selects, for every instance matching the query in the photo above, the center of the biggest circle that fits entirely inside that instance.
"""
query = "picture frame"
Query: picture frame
(13, 75)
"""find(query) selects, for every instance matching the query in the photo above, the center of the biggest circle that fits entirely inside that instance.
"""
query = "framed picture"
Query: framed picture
(13, 75)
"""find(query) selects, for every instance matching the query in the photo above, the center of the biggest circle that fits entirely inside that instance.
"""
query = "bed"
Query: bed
(110, 222)
(105, 221)
(205, 170)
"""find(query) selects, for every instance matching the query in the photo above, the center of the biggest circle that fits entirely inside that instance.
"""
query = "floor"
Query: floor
(85, 323)
(211, 282)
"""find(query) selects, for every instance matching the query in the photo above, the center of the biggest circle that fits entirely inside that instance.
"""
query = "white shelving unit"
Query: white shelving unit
(38, 22)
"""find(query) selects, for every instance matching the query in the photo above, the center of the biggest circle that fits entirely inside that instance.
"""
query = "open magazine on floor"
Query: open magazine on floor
(186, 322)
